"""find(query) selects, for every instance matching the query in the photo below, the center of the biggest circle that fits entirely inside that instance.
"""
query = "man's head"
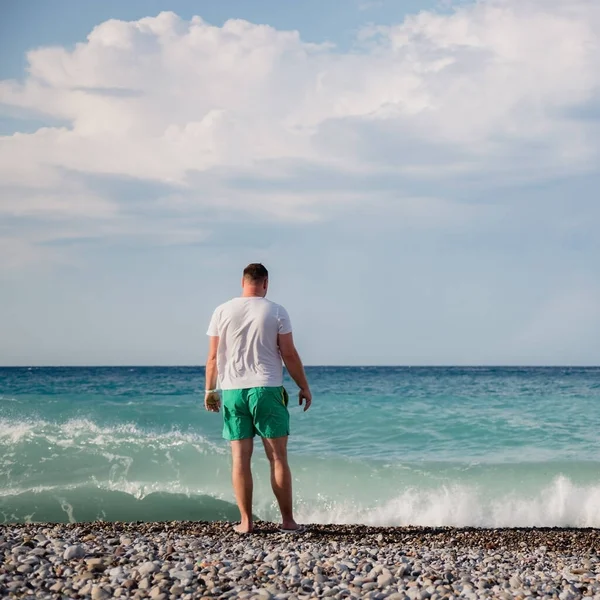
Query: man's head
(255, 280)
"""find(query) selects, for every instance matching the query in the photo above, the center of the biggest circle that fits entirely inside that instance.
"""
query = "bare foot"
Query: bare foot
(242, 528)
(290, 526)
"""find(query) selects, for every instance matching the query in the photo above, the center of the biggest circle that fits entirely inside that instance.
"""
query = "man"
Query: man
(250, 336)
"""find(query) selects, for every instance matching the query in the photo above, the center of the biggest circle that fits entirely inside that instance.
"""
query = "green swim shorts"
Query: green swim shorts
(258, 410)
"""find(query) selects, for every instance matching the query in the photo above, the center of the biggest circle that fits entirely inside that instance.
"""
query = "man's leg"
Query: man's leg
(241, 451)
(281, 478)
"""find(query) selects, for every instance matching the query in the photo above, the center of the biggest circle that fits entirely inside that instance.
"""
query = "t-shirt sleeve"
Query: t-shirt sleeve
(283, 320)
(213, 326)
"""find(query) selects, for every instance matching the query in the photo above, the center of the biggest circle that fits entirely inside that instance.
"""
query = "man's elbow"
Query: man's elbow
(289, 355)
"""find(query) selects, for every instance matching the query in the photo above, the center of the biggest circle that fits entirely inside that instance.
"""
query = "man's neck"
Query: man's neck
(252, 294)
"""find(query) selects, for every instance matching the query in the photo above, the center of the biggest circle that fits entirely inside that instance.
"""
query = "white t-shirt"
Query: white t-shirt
(248, 354)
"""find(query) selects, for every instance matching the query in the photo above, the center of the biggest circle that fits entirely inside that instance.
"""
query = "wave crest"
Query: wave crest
(560, 504)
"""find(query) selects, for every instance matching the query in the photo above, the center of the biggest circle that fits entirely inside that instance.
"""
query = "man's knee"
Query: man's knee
(276, 449)
(241, 450)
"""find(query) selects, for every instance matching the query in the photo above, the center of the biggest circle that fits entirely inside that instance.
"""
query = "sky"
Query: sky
(420, 178)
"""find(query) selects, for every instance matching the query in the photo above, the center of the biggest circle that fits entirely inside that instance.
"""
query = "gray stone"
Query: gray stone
(24, 569)
(116, 573)
(271, 557)
(402, 570)
(385, 579)
(99, 593)
(147, 568)
(144, 584)
(74, 551)
(515, 582)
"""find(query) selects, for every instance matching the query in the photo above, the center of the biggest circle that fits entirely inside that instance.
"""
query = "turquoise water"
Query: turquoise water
(383, 446)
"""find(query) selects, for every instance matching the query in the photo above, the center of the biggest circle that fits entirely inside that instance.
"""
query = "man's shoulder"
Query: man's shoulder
(275, 306)
(225, 305)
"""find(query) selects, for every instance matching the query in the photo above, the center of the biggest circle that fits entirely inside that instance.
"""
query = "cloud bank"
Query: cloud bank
(495, 91)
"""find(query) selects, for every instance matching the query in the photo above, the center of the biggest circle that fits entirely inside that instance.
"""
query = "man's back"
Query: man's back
(250, 339)
(248, 354)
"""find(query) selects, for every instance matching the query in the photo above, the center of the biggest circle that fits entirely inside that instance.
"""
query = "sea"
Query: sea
(443, 446)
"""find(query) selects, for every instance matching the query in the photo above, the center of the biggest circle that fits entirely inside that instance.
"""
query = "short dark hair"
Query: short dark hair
(256, 272)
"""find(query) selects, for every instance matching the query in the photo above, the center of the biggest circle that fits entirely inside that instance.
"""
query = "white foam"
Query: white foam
(68, 509)
(561, 504)
(76, 432)
(36, 489)
(15, 431)
(137, 489)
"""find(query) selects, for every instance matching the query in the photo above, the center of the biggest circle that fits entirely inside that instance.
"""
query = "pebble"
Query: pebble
(144, 584)
(515, 582)
(147, 568)
(295, 571)
(116, 573)
(99, 593)
(171, 561)
(384, 579)
(24, 569)
(74, 551)
(95, 564)
(182, 575)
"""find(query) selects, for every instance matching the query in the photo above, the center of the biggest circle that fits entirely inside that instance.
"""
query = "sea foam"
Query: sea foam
(560, 504)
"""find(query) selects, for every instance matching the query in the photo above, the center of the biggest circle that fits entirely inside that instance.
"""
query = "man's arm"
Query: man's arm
(212, 401)
(293, 363)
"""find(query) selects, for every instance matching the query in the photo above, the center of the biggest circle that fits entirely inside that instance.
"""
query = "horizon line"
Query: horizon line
(312, 366)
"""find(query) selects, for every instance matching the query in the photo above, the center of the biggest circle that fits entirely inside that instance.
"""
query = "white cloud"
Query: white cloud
(487, 90)
(65, 201)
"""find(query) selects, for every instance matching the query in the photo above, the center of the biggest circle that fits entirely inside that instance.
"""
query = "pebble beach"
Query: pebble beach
(209, 560)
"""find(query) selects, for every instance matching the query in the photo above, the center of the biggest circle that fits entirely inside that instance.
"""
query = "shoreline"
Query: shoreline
(553, 538)
(189, 560)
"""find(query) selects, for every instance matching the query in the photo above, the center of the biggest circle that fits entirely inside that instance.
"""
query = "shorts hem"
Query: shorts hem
(274, 437)
(238, 439)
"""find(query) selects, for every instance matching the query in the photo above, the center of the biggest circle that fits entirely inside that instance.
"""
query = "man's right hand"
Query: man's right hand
(212, 401)
(304, 394)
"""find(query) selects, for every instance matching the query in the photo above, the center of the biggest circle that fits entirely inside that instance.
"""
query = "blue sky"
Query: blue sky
(420, 178)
